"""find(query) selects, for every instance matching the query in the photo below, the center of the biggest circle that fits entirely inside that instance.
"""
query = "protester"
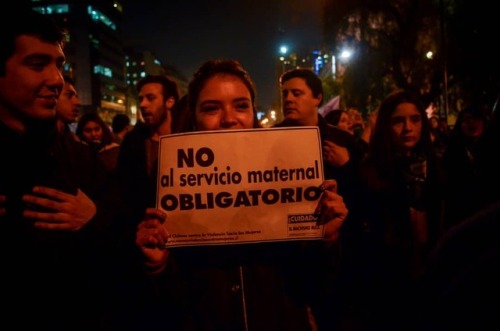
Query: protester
(358, 125)
(459, 288)
(439, 137)
(137, 163)
(94, 132)
(396, 219)
(136, 180)
(120, 126)
(49, 225)
(340, 118)
(260, 286)
(302, 95)
(465, 161)
(67, 108)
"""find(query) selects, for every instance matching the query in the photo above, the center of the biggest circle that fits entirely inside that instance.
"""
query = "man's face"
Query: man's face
(68, 104)
(153, 106)
(299, 104)
(32, 82)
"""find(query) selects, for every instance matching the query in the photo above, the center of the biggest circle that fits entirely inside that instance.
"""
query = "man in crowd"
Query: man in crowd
(121, 126)
(137, 179)
(67, 108)
(301, 97)
(48, 219)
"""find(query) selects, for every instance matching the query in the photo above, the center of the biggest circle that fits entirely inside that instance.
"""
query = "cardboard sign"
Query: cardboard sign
(241, 186)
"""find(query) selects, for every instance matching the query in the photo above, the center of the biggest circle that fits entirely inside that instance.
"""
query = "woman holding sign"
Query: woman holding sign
(258, 286)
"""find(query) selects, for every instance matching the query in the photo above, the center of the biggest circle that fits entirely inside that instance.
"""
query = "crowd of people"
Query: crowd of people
(410, 210)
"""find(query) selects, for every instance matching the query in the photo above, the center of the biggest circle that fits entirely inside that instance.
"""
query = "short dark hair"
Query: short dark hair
(312, 80)
(26, 22)
(170, 88)
(120, 122)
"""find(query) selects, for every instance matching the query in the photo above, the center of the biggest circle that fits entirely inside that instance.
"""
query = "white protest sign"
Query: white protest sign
(240, 186)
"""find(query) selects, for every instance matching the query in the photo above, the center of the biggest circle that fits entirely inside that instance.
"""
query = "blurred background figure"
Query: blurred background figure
(340, 118)
(136, 181)
(358, 124)
(464, 162)
(94, 132)
(460, 286)
(67, 107)
(121, 126)
(439, 135)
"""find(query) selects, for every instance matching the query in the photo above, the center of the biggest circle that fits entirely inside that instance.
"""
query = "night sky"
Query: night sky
(185, 33)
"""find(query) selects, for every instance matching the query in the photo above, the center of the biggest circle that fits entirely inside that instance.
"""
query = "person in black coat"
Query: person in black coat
(49, 217)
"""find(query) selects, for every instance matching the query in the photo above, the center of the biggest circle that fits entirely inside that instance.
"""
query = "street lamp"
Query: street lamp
(345, 54)
(283, 53)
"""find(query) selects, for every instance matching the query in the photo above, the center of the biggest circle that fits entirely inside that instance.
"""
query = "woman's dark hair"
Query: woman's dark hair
(477, 111)
(381, 149)
(107, 136)
(215, 67)
(333, 117)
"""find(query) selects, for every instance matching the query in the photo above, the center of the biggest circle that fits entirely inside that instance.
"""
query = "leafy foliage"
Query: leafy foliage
(391, 38)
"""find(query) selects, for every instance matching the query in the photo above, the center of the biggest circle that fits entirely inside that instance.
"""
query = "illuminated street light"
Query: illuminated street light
(283, 49)
(345, 54)
(272, 114)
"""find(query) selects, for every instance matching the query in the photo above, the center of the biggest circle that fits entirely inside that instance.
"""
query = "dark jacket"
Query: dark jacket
(324, 297)
(136, 300)
(345, 175)
(47, 274)
(263, 286)
(460, 288)
(380, 258)
(235, 287)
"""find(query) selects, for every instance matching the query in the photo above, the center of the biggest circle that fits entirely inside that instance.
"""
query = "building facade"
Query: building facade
(94, 52)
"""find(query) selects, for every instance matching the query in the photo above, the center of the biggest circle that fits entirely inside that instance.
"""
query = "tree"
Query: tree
(390, 40)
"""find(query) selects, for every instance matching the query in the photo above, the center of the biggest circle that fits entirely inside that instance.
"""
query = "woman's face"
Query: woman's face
(434, 123)
(406, 127)
(345, 123)
(92, 132)
(224, 103)
(472, 127)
